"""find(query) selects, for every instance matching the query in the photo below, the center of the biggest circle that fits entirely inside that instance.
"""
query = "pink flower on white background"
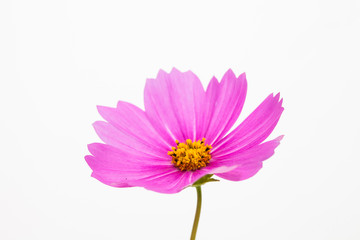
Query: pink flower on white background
(183, 134)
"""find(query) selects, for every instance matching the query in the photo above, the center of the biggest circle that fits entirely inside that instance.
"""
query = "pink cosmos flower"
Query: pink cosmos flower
(183, 134)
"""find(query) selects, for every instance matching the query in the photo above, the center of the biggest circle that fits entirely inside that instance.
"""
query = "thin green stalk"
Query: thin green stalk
(197, 214)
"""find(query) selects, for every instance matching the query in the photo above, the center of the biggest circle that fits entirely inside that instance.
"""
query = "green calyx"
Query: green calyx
(204, 179)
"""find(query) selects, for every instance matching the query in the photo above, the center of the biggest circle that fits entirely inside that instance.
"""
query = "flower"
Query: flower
(182, 134)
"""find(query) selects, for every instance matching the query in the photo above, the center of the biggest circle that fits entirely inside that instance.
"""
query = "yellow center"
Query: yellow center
(190, 156)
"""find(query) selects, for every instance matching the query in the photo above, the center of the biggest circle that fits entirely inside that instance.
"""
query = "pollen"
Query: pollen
(189, 155)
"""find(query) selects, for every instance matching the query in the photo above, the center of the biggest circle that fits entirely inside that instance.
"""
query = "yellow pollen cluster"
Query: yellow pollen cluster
(190, 156)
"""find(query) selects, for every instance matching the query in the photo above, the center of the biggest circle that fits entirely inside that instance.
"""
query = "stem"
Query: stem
(197, 214)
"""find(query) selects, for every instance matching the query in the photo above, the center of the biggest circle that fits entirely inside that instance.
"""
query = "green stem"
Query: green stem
(197, 214)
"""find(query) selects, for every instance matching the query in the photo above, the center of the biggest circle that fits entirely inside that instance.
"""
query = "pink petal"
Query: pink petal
(110, 183)
(132, 127)
(224, 102)
(212, 93)
(123, 140)
(241, 173)
(253, 130)
(163, 179)
(109, 157)
(119, 173)
(118, 167)
(173, 104)
(173, 182)
(252, 155)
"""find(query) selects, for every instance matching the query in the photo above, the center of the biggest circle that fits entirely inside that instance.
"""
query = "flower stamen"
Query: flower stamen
(190, 156)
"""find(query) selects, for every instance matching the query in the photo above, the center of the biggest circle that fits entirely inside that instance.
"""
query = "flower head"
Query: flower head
(183, 134)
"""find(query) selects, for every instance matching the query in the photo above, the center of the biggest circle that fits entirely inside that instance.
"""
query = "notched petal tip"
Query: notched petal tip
(229, 71)
(242, 77)
(161, 73)
(148, 83)
(95, 148)
(276, 142)
(175, 70)
(279, 101)
(229, 74)
(100, 107)
(90, 160)
(277, 97)
(93, 174)
(214, 82)
(279, 138)
(103, 110)
(99, 127)
(90, 146)
(97, 124)
(273, 98)
(214, 79)
(121, 104)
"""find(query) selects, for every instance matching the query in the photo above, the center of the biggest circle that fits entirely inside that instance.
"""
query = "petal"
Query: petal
(159, 179)
(175, 181)
(122, 140)
(113, 173)
(109, 157)
(255, 154)
(224, 104)
(241, 173)
(173, 104)
(170, 182)
(248, 162)
(118, 184)
(133, 127)
(212, 93)
(125, 155)
(253, 130)
(118, 167)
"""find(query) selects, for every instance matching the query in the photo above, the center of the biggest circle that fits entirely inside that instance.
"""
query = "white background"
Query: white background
(59, 59)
